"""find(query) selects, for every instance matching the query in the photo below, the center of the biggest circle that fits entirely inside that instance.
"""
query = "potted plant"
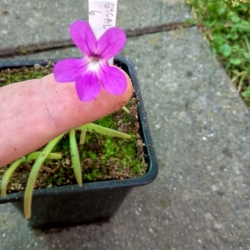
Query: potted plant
(91, 200)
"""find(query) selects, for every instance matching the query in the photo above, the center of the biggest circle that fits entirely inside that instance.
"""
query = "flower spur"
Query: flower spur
(92, 72)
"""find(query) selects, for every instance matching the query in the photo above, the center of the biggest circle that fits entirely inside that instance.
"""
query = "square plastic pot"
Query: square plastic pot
(94, 201)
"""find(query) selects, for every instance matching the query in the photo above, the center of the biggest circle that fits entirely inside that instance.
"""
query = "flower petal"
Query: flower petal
(68, 70)
(110, 43)
(83, 37)
(113, 80)
(87, 87)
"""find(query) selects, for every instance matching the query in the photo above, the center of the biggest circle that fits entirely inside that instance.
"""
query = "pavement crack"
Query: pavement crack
(67, 43)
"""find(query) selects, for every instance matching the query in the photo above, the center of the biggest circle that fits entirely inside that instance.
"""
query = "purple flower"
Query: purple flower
(93, 72)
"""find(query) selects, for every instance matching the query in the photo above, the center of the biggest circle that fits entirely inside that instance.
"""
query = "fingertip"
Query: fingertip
(73, 112)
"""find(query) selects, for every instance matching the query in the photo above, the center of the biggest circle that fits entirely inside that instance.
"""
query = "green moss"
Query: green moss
(22, 49)
(9, 76)
(56, 179)
(125, 119)
(84, 155)
(92, 176)
(107, 122)
(87, 138)
(92, 155)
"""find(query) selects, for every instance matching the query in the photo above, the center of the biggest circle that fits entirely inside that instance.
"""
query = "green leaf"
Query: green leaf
(225, 49)
(33, 175)
(221, 10)
(8, 173)
(247, 56)
(35, 155)
(235, 61)
(91, 127)
(219, 40)
(235, 18)
(246, 93)
(190, 21)
(244, 27)
(235, 48)
(75, 159)
(211, 23)
(234, 35)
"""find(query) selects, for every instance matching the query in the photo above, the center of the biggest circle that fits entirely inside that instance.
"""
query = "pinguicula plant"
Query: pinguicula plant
(89, 74)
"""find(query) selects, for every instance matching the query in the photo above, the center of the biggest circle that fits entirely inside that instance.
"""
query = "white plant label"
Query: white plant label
(102, 16)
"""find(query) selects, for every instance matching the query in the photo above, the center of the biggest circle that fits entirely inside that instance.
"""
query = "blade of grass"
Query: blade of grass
(247, 43)
(241, 81)
(75, 159)
(33, 175)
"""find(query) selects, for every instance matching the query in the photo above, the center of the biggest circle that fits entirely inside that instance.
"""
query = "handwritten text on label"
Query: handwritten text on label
(103, 13)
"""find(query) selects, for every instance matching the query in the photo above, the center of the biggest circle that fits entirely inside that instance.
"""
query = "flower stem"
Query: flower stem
(33, 175)
(75, 159)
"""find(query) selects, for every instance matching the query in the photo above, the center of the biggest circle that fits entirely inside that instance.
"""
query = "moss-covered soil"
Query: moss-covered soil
(102, 157)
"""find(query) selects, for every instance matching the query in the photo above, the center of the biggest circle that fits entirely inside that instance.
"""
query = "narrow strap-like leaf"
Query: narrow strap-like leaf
(8, 173)
(34, 172)
(75, 159)
(92, 127)
(51, 156)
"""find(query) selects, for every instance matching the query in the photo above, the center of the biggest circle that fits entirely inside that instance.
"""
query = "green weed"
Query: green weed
(225, 24)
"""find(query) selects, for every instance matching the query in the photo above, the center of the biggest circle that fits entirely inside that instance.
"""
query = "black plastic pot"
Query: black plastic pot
(95, 201)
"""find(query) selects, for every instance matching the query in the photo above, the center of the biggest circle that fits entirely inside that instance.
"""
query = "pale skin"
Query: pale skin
(34, 112)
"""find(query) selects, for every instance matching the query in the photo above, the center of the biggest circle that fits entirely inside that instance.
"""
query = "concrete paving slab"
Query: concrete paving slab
(201, 132)
(36, 22)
